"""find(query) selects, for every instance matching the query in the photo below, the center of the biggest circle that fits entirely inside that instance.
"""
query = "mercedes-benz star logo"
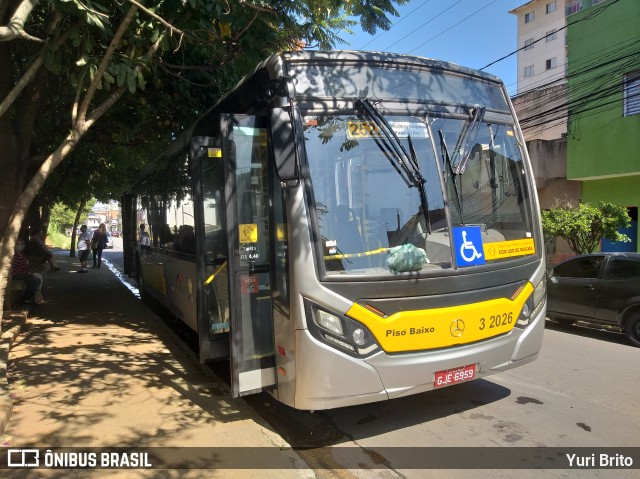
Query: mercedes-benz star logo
(457, 328)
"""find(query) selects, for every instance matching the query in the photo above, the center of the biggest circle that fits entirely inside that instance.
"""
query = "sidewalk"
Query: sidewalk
(94, 367)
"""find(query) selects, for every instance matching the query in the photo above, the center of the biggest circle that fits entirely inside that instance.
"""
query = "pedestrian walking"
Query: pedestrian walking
(98, 243)
(84, 246)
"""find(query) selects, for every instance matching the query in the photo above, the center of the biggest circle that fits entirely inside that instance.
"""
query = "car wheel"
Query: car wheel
(632, 328)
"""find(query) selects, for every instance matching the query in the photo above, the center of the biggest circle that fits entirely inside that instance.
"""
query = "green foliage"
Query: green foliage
(63, 217)
(585, 226)
(59, 240)
(205, 48)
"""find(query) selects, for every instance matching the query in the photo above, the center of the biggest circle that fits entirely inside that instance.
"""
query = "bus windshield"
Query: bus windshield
(366, 209)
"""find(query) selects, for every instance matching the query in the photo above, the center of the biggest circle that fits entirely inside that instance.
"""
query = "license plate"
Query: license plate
(454, 376)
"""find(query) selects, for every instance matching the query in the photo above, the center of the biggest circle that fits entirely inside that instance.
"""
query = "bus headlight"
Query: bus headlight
(328, 321)
(339, 331)
(533, 304)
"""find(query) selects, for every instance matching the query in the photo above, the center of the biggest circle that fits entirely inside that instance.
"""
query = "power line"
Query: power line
(427, 22)
(395, 24)
(452, 26)
(589, 16)
(590, 95)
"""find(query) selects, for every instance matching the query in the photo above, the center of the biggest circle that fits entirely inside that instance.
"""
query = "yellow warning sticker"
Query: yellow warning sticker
(507, 249)
(248, 233)
(214, 152)
(281, 232)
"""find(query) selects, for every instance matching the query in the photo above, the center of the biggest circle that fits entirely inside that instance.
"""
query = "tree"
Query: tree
(584, 226)
(66, 63)
(63, 217)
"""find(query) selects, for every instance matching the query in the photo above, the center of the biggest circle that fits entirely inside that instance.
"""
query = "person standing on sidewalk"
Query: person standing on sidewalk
(84, 245)
(98, 243)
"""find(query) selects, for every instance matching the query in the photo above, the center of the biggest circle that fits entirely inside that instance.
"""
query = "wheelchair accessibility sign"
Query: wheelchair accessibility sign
(467, 242)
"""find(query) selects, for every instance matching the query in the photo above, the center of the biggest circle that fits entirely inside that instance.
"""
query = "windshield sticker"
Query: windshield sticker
(214, 152)
(403, 129)
(414, 129)
(467, 242)
(507, 249)
(248, 233)
(332, 246)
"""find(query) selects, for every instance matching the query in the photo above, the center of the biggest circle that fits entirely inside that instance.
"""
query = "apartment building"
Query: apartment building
(542, 55)
(542, 98)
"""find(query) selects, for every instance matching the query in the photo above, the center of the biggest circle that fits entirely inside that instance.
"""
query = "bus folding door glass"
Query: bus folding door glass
(252, 279)
(215, 242)
(281, 245)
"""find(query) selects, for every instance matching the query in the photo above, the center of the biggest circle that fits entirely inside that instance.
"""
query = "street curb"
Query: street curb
(17, 320)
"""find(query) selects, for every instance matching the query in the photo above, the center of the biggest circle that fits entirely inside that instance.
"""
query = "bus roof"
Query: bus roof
(276, 66)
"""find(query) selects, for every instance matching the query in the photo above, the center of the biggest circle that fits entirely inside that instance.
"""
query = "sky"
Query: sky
(471, 33)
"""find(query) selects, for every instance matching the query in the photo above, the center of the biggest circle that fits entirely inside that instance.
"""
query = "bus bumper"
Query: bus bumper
(326, 378)
(407, 374)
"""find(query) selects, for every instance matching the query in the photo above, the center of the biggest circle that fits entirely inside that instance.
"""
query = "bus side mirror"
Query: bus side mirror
(285, 144)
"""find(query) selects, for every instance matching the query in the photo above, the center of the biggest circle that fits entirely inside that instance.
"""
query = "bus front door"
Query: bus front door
(245, 155)
(211, 248)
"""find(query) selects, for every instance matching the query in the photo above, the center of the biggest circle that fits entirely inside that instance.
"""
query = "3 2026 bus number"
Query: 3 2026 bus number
(497, 321)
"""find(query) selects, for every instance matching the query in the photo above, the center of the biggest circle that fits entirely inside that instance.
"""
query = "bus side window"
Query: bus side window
(185, 240)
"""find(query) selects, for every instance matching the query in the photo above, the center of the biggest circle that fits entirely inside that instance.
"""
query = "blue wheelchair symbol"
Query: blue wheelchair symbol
(467, 242)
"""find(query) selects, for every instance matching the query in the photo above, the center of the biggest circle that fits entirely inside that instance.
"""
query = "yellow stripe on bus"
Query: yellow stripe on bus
(442, 327)
(357, 255)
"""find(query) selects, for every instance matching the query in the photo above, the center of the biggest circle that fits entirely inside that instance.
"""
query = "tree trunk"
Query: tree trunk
(12, 227)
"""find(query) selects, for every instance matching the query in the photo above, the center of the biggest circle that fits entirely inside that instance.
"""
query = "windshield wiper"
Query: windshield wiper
(406, 164)
(471, 130)
(446, 159)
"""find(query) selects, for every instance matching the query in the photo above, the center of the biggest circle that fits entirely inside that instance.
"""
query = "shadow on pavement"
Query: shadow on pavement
(94, 367)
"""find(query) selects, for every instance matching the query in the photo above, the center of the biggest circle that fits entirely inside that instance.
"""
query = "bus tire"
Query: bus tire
(632, 328)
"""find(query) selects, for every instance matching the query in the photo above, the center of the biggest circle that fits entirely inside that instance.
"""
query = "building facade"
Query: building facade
(592, 115)
(541, 105)
(603, 138)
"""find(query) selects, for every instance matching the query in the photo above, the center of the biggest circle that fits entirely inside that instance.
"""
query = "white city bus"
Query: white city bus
(348, 227)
